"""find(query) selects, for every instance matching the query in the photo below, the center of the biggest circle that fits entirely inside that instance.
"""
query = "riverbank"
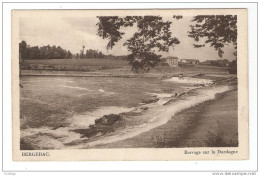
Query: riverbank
(212, 123)
(126, 72)
(75, 74)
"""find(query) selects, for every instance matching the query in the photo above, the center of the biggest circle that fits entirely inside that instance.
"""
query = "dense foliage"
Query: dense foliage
(217, 30)
(44, 52)
(153, 35)
(90, 53)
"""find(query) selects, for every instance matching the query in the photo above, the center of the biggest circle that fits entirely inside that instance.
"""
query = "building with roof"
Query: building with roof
(172, 61)
(189, 61)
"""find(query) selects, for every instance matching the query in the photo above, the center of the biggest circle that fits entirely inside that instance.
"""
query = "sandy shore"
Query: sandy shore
(212, 123)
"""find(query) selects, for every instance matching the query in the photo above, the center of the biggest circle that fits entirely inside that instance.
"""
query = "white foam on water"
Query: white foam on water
(81, 95)
(106, 93)
(191, 88)
(160, 115)
(84, 120)
(46, 142)
(48, 138)
(64, 80)
(33, 131)
(161, 95)
(162, 101)
(189, 80)
(110, 93)
(101, 90)
(75, 87)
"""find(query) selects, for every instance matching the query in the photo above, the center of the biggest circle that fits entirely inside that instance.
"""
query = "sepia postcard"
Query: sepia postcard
(121, 85)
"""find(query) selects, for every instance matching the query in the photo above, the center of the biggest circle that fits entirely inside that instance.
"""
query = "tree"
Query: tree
(100, 55)
(23, 50)
(69, 55)
(44, 52)
(57, 53)
(153, 36)
(233, 67)
(81, 55)
(218, 31)
(33, 53)
(90, 53)
(22, 55)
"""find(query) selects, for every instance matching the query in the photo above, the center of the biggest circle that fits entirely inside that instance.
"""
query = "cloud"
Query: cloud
(72, 33)
(69, 33)
(83, 24)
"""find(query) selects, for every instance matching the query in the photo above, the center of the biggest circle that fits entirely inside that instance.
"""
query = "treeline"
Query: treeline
(44, 52)
(90, 53)
(219, 62)
(28, 52)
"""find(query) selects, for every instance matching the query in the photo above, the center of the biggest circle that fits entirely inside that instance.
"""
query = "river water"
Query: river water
(52, 109)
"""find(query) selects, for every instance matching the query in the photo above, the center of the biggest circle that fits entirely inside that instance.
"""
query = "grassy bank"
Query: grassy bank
(116, 68)
(80, 62)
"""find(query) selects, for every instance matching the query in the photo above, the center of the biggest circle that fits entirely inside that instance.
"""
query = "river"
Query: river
(52, 109)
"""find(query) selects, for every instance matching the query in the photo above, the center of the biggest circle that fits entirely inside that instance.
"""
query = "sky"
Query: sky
(71, 33)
